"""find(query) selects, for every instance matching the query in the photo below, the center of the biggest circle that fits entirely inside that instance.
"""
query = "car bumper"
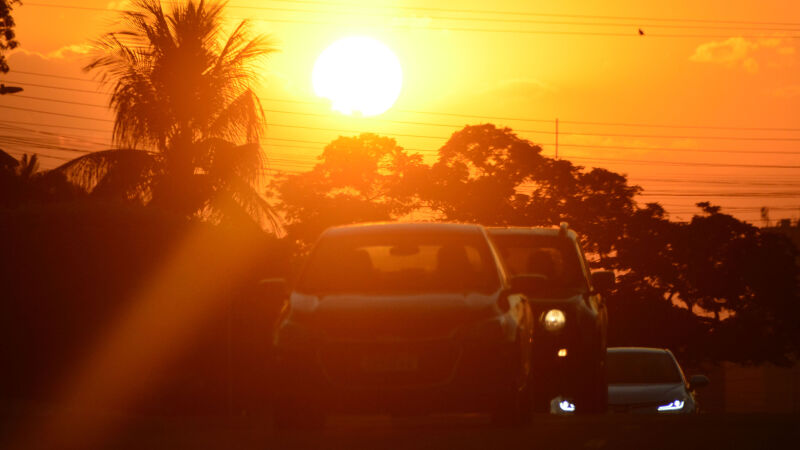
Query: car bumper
(451, 377)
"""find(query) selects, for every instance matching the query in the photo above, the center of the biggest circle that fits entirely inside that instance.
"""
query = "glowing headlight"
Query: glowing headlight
(677, 405)
(554, 320)
(566, 406)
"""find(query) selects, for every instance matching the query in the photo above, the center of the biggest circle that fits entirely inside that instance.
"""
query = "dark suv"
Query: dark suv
(570, 333)
(403, 318)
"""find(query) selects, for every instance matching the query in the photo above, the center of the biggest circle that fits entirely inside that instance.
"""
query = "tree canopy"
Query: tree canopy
(187, 120)
(695, 287)
(358, 179)
(8, 38)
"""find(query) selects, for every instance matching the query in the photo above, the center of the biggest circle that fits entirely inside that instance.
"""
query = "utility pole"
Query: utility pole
(556, 138)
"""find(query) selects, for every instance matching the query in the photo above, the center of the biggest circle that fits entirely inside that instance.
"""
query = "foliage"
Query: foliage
(183, 92)
(21, 182)
(8, 39)
(477, 173)
(697, 288)
(358, 179)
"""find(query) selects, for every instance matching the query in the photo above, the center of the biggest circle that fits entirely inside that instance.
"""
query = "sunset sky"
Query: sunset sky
(718, 85)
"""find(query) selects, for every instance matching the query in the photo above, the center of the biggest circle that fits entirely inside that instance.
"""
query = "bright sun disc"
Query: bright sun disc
(358, 73)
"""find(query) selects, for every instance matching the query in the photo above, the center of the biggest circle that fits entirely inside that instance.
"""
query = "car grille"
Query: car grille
(391, 364)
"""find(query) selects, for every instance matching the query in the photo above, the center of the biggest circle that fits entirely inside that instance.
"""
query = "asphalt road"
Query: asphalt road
(713, 431)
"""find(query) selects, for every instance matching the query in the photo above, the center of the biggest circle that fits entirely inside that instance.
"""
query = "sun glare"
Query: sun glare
(358, 74)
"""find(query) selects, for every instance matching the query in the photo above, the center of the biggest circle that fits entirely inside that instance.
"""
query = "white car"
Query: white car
(643, 381)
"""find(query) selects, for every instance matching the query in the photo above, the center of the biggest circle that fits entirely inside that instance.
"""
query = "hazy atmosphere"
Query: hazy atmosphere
(693, 110)
(399, 224)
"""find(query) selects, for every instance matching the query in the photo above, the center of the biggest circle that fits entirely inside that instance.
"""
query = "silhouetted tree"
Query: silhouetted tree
(477, 175)
(21, 182)
(185, 94)
(8, 39)
(700, 288)
(358, 179)
(491, 176)
(741, 282)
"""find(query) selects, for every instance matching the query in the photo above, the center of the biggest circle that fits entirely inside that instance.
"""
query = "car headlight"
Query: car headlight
(676, 405)
(566, 406)
(554, 320)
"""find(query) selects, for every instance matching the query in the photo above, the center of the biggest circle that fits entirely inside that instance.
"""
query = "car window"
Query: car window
(642, 368)
(395, 262)
(551, 256)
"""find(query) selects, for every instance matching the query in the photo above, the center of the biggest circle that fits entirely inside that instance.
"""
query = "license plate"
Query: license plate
(392, 362)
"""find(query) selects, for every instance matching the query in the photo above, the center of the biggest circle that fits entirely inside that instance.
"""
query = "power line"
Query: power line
(360, 12)
(636, 180)
(40, 140)
(439, 137)
(538, 14)
(690, 150)
(435, 124)
(39, 111)
(66, 127)
(520, 130)
(61, 136)
(722, 194)
(55, 87)
(31, 97)
(681, 163)
(574, 122)
(471, 11)
(21, 152)
(475, 30)
(461, 115)
(40, 74)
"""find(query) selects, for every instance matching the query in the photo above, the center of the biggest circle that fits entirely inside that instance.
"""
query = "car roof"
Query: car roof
(421, 227)
(521, 231)
(637, 350)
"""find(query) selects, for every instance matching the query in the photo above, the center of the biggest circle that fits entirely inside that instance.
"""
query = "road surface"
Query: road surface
(707, 432)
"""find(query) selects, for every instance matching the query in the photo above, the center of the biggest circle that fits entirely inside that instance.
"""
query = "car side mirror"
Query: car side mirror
(273, 289)
(529, 284)
(698, 381)
(603, 280)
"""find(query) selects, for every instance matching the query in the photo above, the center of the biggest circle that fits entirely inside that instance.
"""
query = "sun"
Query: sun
(358, 74)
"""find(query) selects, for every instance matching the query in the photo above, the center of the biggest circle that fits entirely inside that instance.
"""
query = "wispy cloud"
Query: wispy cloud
(66, 52)
(738, 52)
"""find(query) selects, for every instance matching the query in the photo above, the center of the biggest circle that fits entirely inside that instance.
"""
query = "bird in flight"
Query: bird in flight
(641, 33)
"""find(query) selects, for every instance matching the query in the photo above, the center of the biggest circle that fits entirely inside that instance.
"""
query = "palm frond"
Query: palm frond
(123, 174)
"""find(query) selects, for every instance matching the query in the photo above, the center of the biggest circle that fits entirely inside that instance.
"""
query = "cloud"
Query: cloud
(732, 52)
(68, 61)
(743, 53)
(66, 52)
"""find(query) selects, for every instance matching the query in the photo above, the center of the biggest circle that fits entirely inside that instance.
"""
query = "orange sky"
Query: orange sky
(728, 78)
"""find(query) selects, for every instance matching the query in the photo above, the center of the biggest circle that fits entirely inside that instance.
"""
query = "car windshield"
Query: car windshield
(393, 262)
(642, 368)
(551, 256)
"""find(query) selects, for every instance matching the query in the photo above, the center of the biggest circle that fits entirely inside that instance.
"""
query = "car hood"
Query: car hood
(408, 316)
(645, 394)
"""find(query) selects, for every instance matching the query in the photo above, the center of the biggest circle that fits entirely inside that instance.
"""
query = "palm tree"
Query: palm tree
(182, 96)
